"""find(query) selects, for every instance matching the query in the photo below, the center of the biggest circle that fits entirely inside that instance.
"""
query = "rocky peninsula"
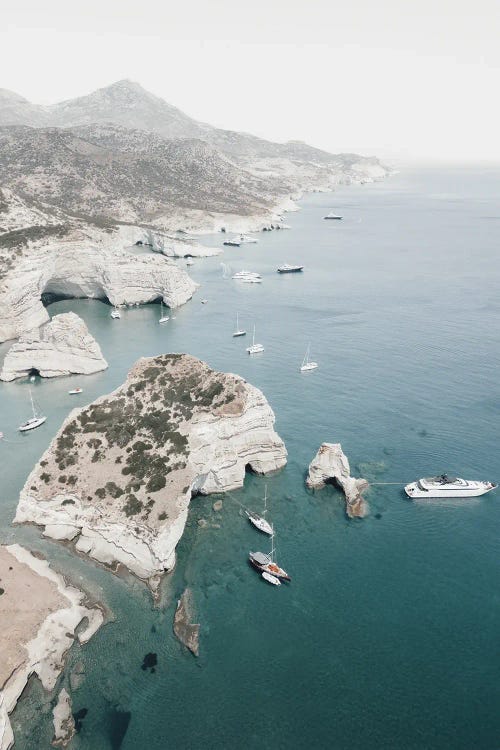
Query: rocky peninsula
(41, 617)
(119, 475)
(331, 466)
(62, 347)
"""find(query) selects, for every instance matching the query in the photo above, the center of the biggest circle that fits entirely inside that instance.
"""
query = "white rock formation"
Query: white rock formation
(123, 486)
(40, 615)
(79, 270)
(330, 464)
(64, 723)
(62, 347)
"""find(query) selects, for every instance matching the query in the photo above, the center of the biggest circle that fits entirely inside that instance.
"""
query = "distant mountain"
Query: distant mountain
(126, 155)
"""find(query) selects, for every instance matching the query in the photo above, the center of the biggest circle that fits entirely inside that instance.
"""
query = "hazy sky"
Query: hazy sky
(409, 78)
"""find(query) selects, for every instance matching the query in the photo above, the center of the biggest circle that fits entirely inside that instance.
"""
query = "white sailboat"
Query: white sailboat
(260, 522)
(35, 421)
(255, 348)
(115, 313)
(238, 331)
(306, 363)
(163, 318)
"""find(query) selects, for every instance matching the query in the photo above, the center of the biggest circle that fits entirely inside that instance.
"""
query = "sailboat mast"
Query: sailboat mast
(253, 337)
(265, 500)
(32, 404)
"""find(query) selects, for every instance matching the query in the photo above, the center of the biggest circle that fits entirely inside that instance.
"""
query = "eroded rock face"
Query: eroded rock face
(330, 464)
(40, 616)
(64, 346)
(120, 473)
(79, 270)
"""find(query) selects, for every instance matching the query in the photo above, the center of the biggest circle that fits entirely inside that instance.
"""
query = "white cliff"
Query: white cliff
(76, 269)
(119, 476)
(40, 617)
(330, 465)
(62, 347)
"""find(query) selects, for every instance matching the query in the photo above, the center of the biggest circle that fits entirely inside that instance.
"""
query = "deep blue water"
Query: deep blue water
(388, 635)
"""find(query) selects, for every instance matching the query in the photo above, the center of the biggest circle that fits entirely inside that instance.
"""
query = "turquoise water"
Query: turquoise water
(387, 636)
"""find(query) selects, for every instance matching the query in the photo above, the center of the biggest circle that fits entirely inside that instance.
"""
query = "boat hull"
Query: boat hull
(32, 424)
(474, 489)
(270, 568)
(237, 334)
(299, 269)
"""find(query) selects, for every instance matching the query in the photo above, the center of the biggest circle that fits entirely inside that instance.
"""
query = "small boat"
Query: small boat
(445, 487)
(255, 348)
(270, 578)
(248, 277)
(190, 262)
(260, 522)
(265, 563)
(163, 318)
(306, 363)
(204, 301)
(331, 215)
(35, 421)
(238, 331)
(32, 379)
(115, 313)
(75, 391)
(287, 268)
(241, 239)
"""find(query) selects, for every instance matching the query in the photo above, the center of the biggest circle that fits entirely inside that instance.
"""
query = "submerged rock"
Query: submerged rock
(186, 631)
(64, 723)
(62, 347)
(120, 473)
(330, 465)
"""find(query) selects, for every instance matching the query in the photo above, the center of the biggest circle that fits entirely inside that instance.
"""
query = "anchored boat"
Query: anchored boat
(266, 564)
(444, 487)
(35, 421)
(260, 522)
(255, 348)
(287, 268)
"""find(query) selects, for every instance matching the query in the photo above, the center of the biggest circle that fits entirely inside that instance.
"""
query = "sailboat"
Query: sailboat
(115, 313)
(306, 363)
(260, 522)
(238, 332)
(266, 564)
(255, 348)
(163, 318)
(35, 421)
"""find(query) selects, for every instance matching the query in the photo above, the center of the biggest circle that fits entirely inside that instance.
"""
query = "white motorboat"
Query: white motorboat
(115, 313)
(287, 268)
(75, 391)
(270, 578)
(163, 318)
(447, 487)
(35, 421)
(241, 239)
(260, 522)
(238, 331)
(246, 239)
(255, 348)
(204, 301)
(248, 277)
(331, 215)
(306, 362)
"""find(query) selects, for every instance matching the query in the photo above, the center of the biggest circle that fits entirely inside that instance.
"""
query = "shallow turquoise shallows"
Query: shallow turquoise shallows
(387, 637)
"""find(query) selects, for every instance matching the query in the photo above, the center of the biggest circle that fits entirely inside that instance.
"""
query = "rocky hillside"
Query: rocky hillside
(125, 154)
(119, 475)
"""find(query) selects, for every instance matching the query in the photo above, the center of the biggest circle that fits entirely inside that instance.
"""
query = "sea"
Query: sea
(387, 638)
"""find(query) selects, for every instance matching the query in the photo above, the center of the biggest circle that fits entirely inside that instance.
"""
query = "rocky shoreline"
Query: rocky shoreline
(41, 618)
